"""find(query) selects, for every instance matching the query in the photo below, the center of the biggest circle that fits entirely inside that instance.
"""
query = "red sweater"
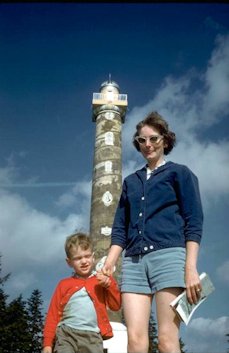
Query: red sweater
(101, 297)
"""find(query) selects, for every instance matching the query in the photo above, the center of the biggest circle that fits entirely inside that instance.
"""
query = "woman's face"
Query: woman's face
(152, 151)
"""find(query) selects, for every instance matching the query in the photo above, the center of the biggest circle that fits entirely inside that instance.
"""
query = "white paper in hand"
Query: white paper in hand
(181, 305)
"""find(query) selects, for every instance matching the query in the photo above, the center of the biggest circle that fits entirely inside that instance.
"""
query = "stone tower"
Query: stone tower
(109, 109)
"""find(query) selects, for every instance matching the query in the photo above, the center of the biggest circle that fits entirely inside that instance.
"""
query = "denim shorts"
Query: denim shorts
(154, 271)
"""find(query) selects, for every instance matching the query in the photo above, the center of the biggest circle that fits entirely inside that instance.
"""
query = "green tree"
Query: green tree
(3, 307)
(227, 335)
(153, 337)
(21, 322)
(3, 340)
(17, 327)
(182, 346)
(35, 321)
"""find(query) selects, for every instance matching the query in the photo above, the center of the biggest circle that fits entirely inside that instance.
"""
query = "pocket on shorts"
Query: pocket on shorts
(62, 344)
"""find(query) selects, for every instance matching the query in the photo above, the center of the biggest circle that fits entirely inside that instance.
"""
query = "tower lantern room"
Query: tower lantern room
(109, 98)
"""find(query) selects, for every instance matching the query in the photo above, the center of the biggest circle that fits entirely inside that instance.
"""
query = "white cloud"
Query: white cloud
(217, 80)
(209, 162)
(23, 280)
(31, 239)
(78, 196)
(129, 167)
(210, 327)
(189, 103)
(206, 335)
(7, 174)
(10, 178)
(223, 272)
(27, 233)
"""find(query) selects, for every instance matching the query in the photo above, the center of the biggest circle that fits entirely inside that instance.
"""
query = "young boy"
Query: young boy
(77, 319)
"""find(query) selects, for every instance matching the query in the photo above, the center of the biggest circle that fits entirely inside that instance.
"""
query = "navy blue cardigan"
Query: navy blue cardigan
(161, 212)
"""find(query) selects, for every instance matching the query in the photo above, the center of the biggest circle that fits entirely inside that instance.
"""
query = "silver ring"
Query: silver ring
(198, 290)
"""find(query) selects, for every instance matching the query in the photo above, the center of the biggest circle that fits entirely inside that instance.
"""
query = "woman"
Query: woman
(159, 224)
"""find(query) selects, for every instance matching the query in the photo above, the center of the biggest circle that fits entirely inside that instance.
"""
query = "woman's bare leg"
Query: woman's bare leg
(168, 322)
(137, 308)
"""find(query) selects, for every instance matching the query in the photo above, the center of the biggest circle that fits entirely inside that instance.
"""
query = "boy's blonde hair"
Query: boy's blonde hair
(75, 240)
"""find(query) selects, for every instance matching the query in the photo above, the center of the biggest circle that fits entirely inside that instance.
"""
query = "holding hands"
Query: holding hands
(103, 280)
(104, 271)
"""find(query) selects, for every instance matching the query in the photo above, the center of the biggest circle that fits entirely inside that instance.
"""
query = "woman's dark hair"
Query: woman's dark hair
(156, 121)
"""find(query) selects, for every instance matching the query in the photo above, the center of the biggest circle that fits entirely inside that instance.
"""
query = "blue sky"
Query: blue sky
(169, 57)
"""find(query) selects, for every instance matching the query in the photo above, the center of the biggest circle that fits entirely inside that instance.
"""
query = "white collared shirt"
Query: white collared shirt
(150, 171)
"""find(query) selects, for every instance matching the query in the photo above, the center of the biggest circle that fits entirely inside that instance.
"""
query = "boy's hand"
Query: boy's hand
(47, 349)
(103, 280)
(106, 268)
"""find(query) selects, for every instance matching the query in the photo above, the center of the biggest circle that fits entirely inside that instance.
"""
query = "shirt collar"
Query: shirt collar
(93, 273)
(150, 171)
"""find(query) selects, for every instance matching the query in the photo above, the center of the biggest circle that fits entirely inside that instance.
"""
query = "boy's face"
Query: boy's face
(82, 261)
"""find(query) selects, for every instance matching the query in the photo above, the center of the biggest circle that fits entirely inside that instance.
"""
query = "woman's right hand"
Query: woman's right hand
(109, 265)
(107, 269)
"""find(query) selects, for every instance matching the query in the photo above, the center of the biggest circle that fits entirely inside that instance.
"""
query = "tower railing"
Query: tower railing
(106, 97)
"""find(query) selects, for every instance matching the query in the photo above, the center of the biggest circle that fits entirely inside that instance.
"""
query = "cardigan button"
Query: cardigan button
(146, 248)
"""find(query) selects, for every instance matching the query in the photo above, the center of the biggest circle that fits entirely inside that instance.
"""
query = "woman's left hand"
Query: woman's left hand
(193, 285)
